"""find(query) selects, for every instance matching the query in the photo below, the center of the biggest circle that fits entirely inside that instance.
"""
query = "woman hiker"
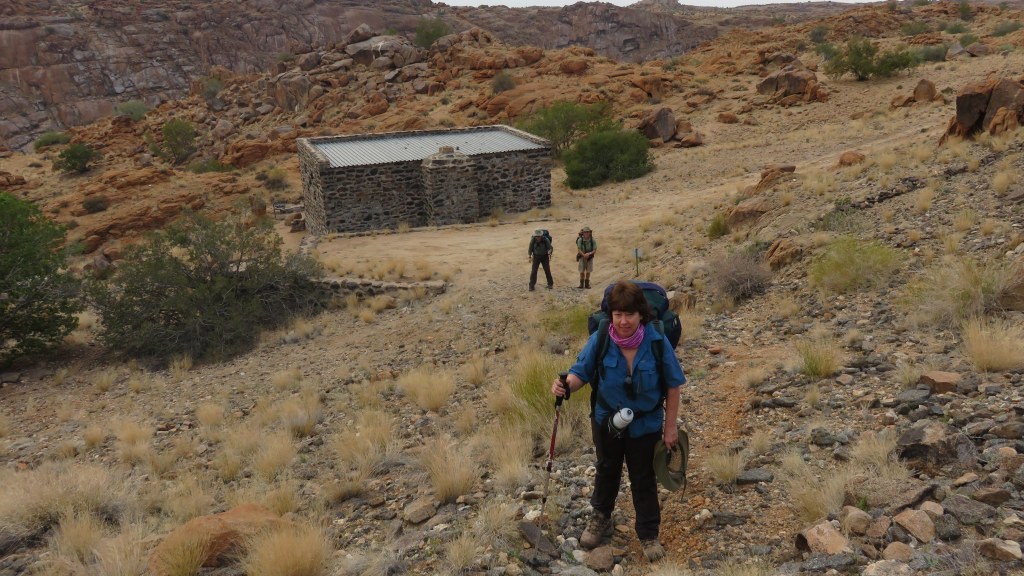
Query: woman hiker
(586, 247)
(628, 377)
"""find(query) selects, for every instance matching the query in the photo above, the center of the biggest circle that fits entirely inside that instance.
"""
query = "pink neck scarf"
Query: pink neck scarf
(630, 343)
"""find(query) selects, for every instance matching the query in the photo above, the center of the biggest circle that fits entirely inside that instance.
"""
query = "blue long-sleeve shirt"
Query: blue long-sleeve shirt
(645, 403)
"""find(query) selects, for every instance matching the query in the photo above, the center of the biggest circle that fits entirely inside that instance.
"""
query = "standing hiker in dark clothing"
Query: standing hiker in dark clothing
(540, 254)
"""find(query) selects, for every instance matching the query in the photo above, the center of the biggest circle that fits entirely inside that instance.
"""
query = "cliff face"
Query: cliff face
(627, 34)
(64, 65)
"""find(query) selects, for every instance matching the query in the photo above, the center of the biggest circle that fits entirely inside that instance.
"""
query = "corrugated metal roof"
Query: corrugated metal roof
(413, 146)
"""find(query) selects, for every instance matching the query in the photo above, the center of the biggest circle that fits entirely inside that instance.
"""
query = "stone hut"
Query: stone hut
(421, 178)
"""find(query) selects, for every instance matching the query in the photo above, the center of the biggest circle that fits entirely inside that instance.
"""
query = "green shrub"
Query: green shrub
(849, 264)
(95, 204)
(922, 2)
(934, 53)
(718, 227)
(968, 39)
(134, 109)
(955, 28)
(1004, 28)
(211, 87)
(892, 62)
(965, 10)
(564, 123)
(960, 288)
(38, 301)
(826, 50)
(502, 81)
(861, 58)
(915, 28)
(739, 276)
(75, 158)
(613, 155)
(285, 56)
(819, 33)
(179, 139)
(210, 165)
(429, 30)
(567, 321)
(275, 179)
(204, 289)
(50, 139)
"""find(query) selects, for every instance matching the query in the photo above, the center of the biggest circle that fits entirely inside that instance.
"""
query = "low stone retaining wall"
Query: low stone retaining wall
(342, 287)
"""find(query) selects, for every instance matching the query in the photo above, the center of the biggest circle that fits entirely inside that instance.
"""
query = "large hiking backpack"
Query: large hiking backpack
(546, 236)
(580, 241)
(665, 321)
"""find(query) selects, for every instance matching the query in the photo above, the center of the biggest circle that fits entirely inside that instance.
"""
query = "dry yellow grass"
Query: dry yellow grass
(753, 377)
(820, 356)
(132, 441)
(139, 382)
(993, 345)
(5, 426)
(759, 442)
(188, 499)
(298, 550)
(275, 453)
(908, 374)
(93, 436)
(449, 466)
(509, 453)
(104, 380)
(914, 235)
(368, 447)
(300, 414)
(462, 551)
(428, 387)
(77, 536)
(923, 200)
(475, 370)
(228, 465)
(812, 396)
(1001, 182)
(812, 497)
(964, 220)
(185, 556)
(161, 463)
(210, 415)
(724, 465)
(287, 379)
(122, 555)
(180, 366)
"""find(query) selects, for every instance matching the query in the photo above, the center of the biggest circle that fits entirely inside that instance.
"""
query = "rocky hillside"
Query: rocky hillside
(67, 64)
(840, 423)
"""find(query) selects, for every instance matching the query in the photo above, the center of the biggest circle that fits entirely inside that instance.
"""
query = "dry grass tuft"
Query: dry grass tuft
(123, 555)
(994, 345)
(725, 465)
(289, 379)
(429, 387)
(185, 556)
(33, 501)
(812, 396)
(908, 375)
(923, 200)
(450, 467)
(301, 550)
(760, 442)
(93, 436)
(496, 522)
(461, 552)
(210, 415)
(188, 499)
(5, 426)
(77, 536)
(179, 367)
(132, 441)
(104, 380)
(964, 220)
(754, 377)
(812, 497)
(475, 370)
(300, 414)
(960, 287)
(275, 453)
(820, 356)
(370, 446)
(509, 452)
(692, 323)
(1001, 182)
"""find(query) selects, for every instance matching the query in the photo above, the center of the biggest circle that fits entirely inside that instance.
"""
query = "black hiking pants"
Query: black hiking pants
(638, 455)
(537, 261)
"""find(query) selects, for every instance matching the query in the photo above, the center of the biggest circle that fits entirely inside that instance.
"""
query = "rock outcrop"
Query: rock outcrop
(994, 106)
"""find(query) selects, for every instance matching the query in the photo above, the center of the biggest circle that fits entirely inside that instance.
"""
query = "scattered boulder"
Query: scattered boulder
(978, 49)
(728, 118)
(782, 252)
(823, 538)
(793, 81)
(940, 382)
(223, 534)
(978, 106)
(850, 158)
(930, 445)
(997, 549)
(925, 91)
(658, 123)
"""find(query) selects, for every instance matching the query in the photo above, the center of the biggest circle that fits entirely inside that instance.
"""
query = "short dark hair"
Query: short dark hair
(629, 297)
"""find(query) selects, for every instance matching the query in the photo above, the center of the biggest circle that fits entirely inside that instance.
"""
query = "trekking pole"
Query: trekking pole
(554, 430)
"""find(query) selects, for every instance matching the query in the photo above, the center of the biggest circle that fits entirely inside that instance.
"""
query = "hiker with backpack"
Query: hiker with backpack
(586, 247)
(539, 253)
(635, 378)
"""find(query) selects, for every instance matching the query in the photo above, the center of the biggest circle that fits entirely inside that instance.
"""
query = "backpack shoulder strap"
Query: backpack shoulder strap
(659, 357)
(602, 349)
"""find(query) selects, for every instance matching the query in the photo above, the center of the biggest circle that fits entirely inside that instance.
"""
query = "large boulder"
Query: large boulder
(792, 81)
(396, 49)
(993, 105)
(220, 534)
(659, 123)
(931, 445)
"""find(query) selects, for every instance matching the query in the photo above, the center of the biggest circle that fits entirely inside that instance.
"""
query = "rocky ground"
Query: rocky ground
(959, 429)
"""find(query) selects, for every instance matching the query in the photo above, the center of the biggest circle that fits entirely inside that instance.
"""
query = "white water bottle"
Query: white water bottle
(619, 421)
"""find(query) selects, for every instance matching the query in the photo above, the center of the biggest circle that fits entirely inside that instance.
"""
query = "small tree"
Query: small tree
(429, 30)
(563, 123)
(179, 138)
(502, 81)
(50, 139)
(38, 297)
(75, 158)
(857, 57)
(203, 288)
(613, 155)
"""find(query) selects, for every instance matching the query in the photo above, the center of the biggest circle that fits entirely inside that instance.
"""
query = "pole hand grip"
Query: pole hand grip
(563, 376)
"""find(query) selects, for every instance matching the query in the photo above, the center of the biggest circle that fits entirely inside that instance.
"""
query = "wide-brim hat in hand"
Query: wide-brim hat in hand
(670, 465)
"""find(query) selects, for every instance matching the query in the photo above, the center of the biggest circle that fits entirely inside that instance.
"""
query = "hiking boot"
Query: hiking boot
(653, 550)
(587, 283)
(550, 286)
(581, 284)
(531, 288)
(598, 527)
